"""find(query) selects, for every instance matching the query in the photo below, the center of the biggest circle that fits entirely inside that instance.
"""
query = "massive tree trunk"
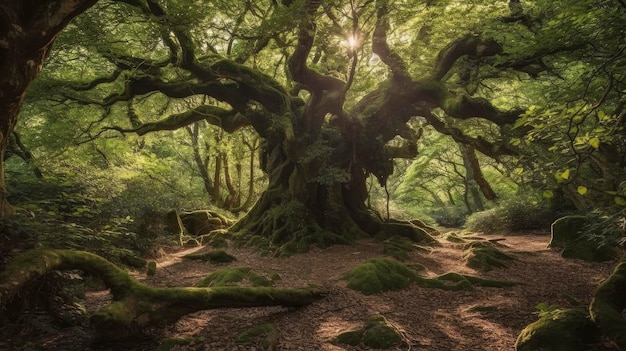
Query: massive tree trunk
(27, 30)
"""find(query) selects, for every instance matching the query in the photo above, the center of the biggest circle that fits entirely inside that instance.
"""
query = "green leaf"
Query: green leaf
(620, 201)
(582, 190)
(565, 174)
(548, 194)
(595, 143)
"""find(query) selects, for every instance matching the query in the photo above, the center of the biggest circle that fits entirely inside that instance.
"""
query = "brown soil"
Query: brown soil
(429, 319)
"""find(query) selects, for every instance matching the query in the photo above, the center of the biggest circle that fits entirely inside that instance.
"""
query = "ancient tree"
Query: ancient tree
(323, 134)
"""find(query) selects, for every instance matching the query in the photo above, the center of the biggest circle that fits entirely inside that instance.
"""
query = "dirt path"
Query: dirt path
(429, 319)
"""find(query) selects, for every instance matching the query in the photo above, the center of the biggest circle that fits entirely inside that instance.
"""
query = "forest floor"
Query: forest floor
(429, 319)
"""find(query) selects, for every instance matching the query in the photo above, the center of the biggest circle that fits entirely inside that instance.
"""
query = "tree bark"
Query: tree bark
(27, 30)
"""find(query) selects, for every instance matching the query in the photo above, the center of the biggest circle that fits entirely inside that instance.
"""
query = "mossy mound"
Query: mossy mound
(608, 305)
(561, 329)
(213, 257)
(483, 256)
(232, 276)
(567, 235)
(382, 274)
(378, 275)
(265, 332)
(378, 334)
(400, 247)
(454, 237)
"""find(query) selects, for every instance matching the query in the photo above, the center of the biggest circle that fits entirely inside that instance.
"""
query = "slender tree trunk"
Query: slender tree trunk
(233, 195)
(200, 163)
(470, 180)
(477, 174)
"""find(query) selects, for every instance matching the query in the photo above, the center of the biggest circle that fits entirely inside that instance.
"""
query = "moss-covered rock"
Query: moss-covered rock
(567, 235)
(608, 305)
(378, 334)
(267, 332)
(230, 276)
(483, 256)
(559, 329)
(213, 257)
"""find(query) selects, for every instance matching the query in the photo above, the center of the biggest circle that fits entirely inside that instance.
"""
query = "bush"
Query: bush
(448, 216)
(519, 213)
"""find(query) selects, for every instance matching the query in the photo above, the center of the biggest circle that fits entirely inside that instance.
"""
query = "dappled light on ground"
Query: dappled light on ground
(484, 318)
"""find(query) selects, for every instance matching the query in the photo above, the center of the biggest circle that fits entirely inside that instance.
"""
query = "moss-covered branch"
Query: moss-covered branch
(380, 46)
(230, 121)
(468, 45)
(137, 305)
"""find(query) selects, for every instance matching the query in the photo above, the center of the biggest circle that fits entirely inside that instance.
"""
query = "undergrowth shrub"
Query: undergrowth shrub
(515, 214)
(448, 216)
(606, 228)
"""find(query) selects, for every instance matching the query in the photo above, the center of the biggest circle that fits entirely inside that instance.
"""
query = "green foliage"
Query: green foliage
(520, 213)
(606, 229)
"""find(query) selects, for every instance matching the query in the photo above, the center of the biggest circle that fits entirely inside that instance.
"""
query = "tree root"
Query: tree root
(136, 305)
(608, 305)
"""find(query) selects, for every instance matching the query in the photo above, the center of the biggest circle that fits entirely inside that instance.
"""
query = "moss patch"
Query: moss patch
(378, 275)
(483, 256)
(152, 268)
(267, 332)
(170, 343)
(213, 257)
(399, 247)
(453, 237)
(608, 303)
(382, 274)
(378, 333)
(559, 329)
(231, 276)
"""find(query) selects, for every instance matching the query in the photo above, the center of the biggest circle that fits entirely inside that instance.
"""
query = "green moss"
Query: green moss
(169, 343)
(453, 237)
(608, 304)
(213, 257)
(378, 275)
(229, 276)
(558, 330)
(152, 267)
(267, 331)
(382, 274)
(483, 256)
(376, 334)
(399, 248)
